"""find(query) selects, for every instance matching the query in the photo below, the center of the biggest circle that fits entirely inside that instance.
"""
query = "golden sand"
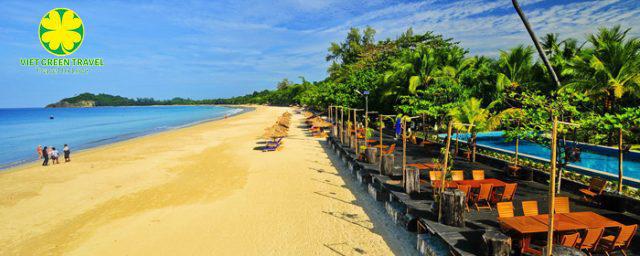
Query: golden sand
(200, 190)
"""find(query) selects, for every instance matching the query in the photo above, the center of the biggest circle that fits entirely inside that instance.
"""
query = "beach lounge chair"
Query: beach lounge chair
(272, 145)
(562, 205)
(619, 242)
(595, 189)
(590, 241)
(530, 208)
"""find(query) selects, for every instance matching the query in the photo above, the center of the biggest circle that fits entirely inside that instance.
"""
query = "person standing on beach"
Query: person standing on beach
(45, 155)
(67, 153)
(54, 156)
(39, 151)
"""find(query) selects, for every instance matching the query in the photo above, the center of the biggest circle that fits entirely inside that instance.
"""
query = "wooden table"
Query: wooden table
(476, 183)
(423, 166)
(526, 226)
(380, 146)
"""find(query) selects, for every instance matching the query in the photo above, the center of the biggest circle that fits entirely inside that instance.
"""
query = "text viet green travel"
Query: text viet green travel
(62, 62)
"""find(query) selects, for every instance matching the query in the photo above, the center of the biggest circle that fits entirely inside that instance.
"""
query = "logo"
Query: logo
(61, 31)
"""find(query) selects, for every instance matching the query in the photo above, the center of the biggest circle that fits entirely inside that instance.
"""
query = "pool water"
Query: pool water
(597, 158)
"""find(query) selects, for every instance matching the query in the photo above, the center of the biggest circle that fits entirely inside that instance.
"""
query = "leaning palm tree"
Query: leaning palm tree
(471, 117)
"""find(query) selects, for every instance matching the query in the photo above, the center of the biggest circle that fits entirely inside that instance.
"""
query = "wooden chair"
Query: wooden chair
(457, 175)
(590, 241)
(389, 150)
(570, 240)
(530, 208)
(619, 242)
(562, 205)
(466, 189)
(507, 193)
(505, 209)
(435, 175)
(595, 189)
(483, 197)
(478, 174)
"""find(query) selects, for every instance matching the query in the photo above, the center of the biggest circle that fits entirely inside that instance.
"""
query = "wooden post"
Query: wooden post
(355, 131)
(366, 127)
(517, 144)
(444, 169)
(552, 185)
(496, 243)
(453, 204)
(412, 183)
(620, 158)
(342, 125)
(424, 128)
(380, 119)
(404, 148)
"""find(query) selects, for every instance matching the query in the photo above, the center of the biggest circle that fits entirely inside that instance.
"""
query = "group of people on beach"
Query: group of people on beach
(51, 153)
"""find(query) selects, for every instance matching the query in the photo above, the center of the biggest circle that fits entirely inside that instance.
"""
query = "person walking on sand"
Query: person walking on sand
(45, 155)
(67, 153)
(54, 155)
(39, 151)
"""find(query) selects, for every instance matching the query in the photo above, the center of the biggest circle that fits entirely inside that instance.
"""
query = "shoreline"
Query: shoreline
(243, 109)
(199, 190)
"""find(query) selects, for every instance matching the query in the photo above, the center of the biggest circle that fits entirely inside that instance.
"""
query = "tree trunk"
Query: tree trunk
(496, 243)
(411, 180)
(453, 208)
(620, 159)
(473, 155)
(372, 155)
(388, 164)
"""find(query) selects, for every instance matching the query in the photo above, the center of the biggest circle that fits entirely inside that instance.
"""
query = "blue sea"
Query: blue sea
(23, 129)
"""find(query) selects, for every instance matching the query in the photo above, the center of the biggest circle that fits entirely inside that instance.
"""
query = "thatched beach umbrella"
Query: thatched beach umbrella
(274, 132)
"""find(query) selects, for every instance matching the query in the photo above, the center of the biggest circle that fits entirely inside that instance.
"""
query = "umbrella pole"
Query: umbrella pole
(552, 181)
(404, 150)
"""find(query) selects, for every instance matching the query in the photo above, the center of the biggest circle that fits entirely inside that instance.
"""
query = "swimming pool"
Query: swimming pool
(598, 159)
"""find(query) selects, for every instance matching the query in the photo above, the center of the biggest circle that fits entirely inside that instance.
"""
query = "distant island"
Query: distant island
(286, 93)
(87, 100)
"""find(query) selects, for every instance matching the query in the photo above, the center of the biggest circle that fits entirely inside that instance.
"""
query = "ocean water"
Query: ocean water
(23, 129)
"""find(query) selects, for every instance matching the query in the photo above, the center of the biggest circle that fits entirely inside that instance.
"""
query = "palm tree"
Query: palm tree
(609, 70)
(469, 116)
(514, 70)
(413, 69)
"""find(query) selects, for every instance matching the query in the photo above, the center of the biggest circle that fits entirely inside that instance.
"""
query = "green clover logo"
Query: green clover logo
(61, 31)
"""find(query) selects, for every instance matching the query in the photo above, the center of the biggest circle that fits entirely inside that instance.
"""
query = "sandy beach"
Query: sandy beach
(200, 190)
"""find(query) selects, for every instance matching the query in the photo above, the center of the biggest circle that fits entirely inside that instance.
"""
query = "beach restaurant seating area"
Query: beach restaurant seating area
(498, 214)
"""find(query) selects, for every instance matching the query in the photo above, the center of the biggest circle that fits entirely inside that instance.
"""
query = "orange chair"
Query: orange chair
(466, 189)
(505, 209)
(390, 150)
(619, 242)
(570, 240)
(435, 175)
(478, 174)
(530, 208)
(507, 194)
(483, 197)
(562, 205)
(595, 189)
(590, 241)
(457, 175)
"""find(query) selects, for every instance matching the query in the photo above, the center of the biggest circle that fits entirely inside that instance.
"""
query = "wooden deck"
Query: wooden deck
(420, 209)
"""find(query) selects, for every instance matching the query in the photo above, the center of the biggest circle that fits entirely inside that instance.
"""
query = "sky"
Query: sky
(212, 49)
